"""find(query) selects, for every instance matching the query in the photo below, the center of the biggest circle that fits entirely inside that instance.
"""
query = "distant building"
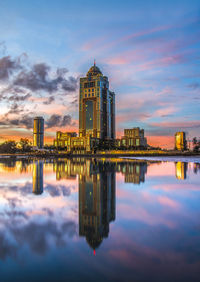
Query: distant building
(38, 132)
(133, 138)
(180, 141)
(62, 138)
(96, 106)
(71, 143)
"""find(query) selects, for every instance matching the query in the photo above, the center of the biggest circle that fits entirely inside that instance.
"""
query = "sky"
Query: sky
(150, 51)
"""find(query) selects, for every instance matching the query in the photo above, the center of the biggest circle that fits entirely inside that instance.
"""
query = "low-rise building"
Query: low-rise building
(72, 143)
(133, 138)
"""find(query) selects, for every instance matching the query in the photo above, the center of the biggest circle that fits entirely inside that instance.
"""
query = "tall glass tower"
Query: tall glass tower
(38, 132)
(96, 106)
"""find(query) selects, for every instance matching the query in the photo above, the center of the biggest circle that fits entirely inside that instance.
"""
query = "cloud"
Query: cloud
(58, 190)
(23, 121)
(49, 100)
(194, 85)
(7, 67)
(58, 120)
(38, 78)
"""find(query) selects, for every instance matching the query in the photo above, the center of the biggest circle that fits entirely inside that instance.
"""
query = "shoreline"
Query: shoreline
(103, 154)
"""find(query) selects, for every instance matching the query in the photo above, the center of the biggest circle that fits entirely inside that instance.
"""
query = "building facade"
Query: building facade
(38, 132)
(133, 138)
(180, 141)
(62, 138)
(96, 106)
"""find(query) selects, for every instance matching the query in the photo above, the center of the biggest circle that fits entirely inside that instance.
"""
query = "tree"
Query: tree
(25, 145)
(196, 144)
(8, 147)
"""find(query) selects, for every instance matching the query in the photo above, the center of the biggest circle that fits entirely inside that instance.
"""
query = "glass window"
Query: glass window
(89, 114)
(88, 90)
(92, 94)
(89, 198)
(89, 95)
(92, 89)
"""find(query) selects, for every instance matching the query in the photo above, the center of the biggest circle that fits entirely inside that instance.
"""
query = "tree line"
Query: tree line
(10, 146)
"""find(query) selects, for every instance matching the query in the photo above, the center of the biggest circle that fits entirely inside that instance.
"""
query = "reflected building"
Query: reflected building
(97, 198)
(134, 172)
(38, 177)
(96, 204)
(196, 167)
(181, 170)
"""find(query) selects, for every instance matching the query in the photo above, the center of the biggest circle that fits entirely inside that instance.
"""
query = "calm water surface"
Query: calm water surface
(99, 220)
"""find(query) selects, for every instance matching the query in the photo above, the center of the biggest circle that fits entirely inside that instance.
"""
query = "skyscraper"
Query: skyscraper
(38, 132)
(180, 141)
(96, 106)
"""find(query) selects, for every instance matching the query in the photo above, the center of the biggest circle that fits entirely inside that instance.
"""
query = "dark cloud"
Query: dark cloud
(38, 79)
(194, 85)
(8, 66)
(58, 120)
(17, 98)
(58, 190)
(23, 121)
(37, 236)
(49, 101)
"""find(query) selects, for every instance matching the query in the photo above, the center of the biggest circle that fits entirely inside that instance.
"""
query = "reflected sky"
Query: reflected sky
(99, 219)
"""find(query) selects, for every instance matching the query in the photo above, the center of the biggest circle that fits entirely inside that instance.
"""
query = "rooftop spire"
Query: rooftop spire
(94, 62)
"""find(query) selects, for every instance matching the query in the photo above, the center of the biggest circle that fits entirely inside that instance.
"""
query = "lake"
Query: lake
(100, 219)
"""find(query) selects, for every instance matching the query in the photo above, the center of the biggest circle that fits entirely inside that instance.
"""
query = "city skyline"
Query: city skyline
(152, 65)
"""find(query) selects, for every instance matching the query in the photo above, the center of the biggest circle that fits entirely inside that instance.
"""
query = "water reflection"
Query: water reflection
(96, 203)
(38, 177)
(92, 204)
(181, 170)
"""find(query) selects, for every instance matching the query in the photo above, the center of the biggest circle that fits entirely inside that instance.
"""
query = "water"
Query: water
(99, 220)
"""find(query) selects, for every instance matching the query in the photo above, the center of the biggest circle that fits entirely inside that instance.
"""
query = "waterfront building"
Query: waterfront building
(78, 145)
(62, 138)
(180, 141)
(133, 138)
(38, 132)
(96, 106)
(37, 177)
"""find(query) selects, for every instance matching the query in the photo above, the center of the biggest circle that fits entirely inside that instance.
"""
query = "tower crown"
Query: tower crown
(94, 70)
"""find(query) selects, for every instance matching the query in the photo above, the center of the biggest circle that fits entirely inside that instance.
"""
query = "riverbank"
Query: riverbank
(104, 154)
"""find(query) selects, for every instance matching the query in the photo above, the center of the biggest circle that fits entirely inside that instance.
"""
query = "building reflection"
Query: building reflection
(196, 167)
(38, 177)
(97, 195)
(134, 172)
(96, 203)
(181, 170)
